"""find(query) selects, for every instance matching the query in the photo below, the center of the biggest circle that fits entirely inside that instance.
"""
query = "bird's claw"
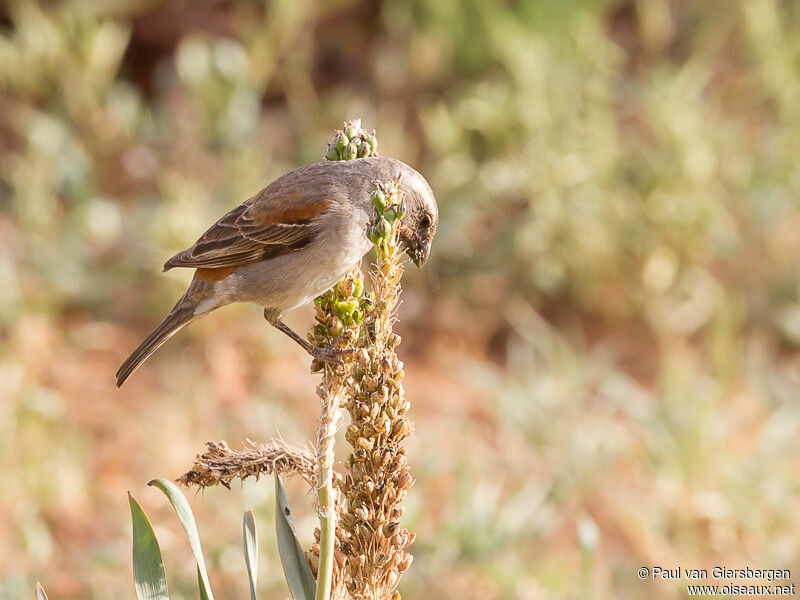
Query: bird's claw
(330, 355)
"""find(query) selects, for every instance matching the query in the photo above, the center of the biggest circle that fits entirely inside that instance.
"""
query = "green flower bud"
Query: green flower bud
(373, 144)
(363, 151)
(373, 235)
(332, 153)
(350, 152)
(346, 308)
(378, 200)
(383, 228)
(341, 141)
(391, 214)
(358, 288)
(351, 131)
(357, 315)
(401, 210)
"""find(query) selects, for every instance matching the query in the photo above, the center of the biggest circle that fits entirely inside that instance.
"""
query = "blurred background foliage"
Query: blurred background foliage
(605, 338)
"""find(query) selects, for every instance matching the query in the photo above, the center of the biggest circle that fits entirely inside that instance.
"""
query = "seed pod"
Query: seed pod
(345, 309)
(392, 579)
(314, 562)
(402, 429)
(341, 140)
(347, 521)
(346, 287)
(339, 556)
(333, 153)
(405, 481)
(350, 152)
(373, 235)
(383, 425)
(405, 562)
(351, 131)
(400, 538)
(390, 214)
(378, 200)
(383, 228)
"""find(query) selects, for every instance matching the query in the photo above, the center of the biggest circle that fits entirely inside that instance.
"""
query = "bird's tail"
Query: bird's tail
(181, 315)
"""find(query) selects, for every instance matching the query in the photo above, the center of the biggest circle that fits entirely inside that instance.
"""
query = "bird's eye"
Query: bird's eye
(426, 221)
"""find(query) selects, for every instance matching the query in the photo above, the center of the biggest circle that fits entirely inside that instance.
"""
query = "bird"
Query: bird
(291, 242)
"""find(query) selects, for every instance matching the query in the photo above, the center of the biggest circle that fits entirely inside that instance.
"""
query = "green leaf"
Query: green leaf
(149, 577)
(295, 566)
(203, 591)
(40, 595)
(250, 541)
(185, 516)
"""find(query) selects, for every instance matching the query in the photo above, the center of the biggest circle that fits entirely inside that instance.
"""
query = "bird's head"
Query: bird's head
(419, 224)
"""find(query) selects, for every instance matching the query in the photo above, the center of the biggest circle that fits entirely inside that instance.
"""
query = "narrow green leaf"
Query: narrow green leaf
(149, 577)
(203, 594)
(186, 518)
(40, 595)
(295, 566)
(250, 541)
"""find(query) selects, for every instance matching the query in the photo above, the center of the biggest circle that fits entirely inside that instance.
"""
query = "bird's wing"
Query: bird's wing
(271, 223)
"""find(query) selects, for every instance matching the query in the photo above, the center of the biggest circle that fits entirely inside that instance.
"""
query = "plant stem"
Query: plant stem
(330, 390)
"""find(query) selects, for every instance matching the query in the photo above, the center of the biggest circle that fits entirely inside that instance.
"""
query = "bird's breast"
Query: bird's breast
(296, 278)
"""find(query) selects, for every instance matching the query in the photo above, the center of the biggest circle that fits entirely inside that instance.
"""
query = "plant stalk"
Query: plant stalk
(331, 391)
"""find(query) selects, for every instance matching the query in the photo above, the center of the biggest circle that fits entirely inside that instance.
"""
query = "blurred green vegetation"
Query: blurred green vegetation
(606, 335)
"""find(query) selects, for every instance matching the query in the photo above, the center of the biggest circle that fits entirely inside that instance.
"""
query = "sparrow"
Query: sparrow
(291, 242)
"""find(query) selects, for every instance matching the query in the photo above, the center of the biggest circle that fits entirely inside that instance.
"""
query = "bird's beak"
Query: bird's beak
(420, 254)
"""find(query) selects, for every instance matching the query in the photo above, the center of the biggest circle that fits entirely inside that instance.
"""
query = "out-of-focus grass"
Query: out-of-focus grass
(611, 315)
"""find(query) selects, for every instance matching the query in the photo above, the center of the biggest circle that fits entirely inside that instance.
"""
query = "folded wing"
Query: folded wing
(269, 224)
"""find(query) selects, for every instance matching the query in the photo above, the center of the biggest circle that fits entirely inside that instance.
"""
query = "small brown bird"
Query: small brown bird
(290, 242)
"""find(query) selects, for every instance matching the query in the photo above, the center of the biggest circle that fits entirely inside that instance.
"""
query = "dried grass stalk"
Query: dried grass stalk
(221, 465)
(338, 321)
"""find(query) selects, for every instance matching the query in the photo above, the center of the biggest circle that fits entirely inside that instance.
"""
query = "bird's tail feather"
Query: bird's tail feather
(179, 317)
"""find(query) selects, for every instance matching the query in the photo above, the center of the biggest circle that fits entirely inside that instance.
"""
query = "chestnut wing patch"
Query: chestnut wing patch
(255, 230)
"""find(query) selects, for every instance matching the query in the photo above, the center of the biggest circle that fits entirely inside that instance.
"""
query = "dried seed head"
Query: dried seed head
(379, 477)
(405, 481)
(405, 562)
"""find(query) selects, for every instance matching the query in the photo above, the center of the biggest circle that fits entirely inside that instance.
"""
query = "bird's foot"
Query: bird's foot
(330, 355)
